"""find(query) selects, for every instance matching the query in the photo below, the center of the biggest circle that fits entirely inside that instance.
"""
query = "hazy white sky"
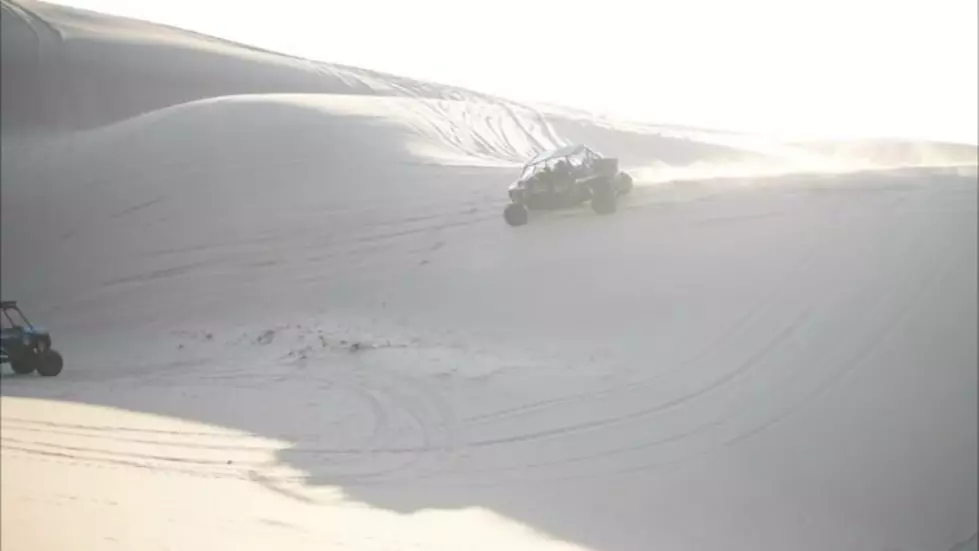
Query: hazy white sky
(817, 67)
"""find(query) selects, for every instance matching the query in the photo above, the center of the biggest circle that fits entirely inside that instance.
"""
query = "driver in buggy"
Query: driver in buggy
(562, 175)
(563, 167)
(557, 179)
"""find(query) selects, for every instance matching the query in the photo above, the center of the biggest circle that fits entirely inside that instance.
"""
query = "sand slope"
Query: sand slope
(293, 317)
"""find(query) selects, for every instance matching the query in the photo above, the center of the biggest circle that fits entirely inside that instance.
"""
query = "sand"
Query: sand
(292, 315)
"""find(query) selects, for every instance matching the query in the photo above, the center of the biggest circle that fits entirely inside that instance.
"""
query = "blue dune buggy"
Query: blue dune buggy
(26, 347)
(566, 177)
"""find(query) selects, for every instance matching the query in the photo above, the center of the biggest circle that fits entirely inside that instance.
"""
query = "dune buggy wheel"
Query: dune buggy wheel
(49, 363)
(625, 186)
(515, 215)
(24, 366)
(603, 199)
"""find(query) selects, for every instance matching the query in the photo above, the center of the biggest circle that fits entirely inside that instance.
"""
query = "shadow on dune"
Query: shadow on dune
(603, 513)
(70, 69)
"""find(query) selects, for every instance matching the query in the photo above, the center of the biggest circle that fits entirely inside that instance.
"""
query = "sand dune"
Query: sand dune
(293, 316)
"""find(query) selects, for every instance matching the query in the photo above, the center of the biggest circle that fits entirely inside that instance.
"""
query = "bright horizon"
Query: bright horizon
(804, 68)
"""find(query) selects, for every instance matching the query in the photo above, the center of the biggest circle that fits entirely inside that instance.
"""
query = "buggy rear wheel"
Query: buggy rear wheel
(515, 214)
(603, 199)
(23, 367)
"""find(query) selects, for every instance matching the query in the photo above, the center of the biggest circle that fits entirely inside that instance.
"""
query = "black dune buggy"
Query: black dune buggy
(26, 347)
(566, 177)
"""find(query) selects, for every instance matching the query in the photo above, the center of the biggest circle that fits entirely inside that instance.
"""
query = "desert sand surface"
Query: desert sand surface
(293, 317)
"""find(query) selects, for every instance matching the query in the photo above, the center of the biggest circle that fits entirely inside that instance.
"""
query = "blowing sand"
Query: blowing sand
(293, 317)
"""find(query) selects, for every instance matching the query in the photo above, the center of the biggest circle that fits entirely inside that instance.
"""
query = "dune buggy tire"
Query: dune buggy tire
(50, 363)
(23, 367)
(603, 200)
(625, 187)
(515, 215)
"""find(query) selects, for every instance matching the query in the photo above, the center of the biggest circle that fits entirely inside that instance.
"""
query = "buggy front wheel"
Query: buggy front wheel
(625, 184)
(49, 363)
